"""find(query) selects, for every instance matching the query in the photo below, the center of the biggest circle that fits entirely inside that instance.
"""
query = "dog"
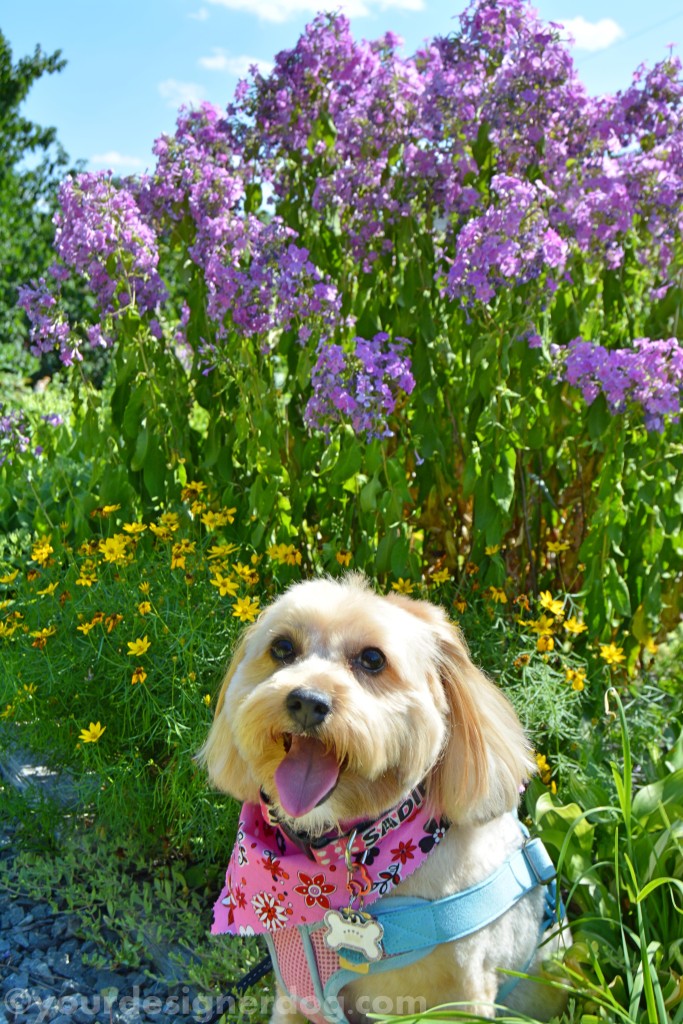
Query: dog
(380, 772)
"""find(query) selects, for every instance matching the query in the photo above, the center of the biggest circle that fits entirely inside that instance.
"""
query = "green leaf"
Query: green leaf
(666, 793)
(139, 455)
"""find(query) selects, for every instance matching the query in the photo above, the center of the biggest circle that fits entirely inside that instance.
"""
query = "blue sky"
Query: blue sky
(132, 63)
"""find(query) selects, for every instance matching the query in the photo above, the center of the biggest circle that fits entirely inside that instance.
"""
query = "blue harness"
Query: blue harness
(413, 927)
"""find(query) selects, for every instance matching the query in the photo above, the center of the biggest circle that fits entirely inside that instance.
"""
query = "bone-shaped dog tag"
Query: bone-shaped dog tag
(352, 929)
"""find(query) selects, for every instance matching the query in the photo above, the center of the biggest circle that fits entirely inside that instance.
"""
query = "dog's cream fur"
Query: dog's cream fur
(428, 716)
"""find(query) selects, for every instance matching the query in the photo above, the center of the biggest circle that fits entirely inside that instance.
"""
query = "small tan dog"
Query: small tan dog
(345, 718)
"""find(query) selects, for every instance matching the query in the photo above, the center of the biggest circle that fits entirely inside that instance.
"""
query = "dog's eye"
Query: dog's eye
(283, 649)
(371, 659)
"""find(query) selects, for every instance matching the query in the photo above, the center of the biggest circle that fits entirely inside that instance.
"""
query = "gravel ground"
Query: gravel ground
(44, 970)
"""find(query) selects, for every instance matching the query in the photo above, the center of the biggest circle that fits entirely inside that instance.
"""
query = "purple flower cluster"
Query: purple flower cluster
(650, 374)
(102, 235)
(15, 434)
(49, 330)
(361, 386)
(510, 243)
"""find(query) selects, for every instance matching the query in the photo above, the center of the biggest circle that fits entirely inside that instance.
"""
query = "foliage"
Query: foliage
(32, 164)
(429, 306)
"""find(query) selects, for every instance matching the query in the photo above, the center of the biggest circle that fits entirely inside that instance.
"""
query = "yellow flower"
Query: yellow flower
(138, 647)
(134, 527)
(403, 586)
(221, 551)
(612, 654)
(545, 643)
(498, 595)
(144, 608)
(112, 621)
(544, 769)
(30, 689)
(92, 734)
(577, 677)
(162, 532)
(246, 609)
(179, 552)
(650, 646)
(226, 584)
(543, 626)
(144, 588)
(523, 602)
(573, 625)
(286, 554)
(442, 576)
(207, 699)
(246, 572)
(42, 636)
(87, 574)
(522, 660)
(139, 675)
(460, 605)
(493, 549)
(115, 549)
(107, 510)
(170, 521)
(10, 577)
(555, 546)
(41, 551)
(551, 604)
(343, 557)
(214, 520)
(49, 589)
(85, 627)
(192, 490)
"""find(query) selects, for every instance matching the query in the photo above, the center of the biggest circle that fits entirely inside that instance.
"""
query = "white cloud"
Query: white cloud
(112, 160)
(282, 10)
(221, 60)
(201, 15)
(181, 94)
(593, 35)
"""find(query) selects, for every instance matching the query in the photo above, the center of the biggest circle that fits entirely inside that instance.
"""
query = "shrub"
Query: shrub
(412, 307)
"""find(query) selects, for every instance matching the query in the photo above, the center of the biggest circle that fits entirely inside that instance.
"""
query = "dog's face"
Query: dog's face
(338, 702)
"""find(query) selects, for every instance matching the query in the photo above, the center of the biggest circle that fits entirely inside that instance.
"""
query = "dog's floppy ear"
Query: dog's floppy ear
(227, 769)
(486, 757)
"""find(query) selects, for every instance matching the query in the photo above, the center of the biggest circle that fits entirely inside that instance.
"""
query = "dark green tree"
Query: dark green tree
(32, 163)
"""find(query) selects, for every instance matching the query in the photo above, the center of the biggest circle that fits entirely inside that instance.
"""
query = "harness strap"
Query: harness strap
(411, 924)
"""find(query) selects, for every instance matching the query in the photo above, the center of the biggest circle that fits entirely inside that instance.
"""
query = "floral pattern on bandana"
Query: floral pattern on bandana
(271, 883)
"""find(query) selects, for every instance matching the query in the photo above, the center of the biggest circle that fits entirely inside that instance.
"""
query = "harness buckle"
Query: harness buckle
(539, 861)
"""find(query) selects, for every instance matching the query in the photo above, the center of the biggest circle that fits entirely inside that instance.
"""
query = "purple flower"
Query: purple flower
(362, 385)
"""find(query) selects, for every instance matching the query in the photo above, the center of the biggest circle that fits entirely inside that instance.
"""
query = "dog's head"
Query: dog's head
(338, 702)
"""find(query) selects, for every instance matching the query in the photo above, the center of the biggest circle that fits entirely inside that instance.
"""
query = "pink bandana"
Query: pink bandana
(272, 883)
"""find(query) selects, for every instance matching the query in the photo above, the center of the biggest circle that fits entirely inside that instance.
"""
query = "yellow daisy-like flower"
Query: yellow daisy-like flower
(192, 490)
(144, 588)
(162, 532)
(442, 576)
(112, 621)
(545, 643)
(134, 527)
(343, 557)
(214, 520)
(170, 521)
(139, 675)
(522, 660)
(207, 699)
(543, 626)
(573, 625)
(221, 551)
(115, 549)
(523, 602)
(41, 551)
(403, 586)
(227, 586)
(246, 572)
(551, 604)
(87, 574)
(92, 734)
(42, 636)
(492, 549)
(138, 647)
(612, 654)
(10, 577)
(49, 589)
(107, 510)
(577, 677)
(246, 609)
(144, 608)
(460, 604)
(498, 595)
(555, 546)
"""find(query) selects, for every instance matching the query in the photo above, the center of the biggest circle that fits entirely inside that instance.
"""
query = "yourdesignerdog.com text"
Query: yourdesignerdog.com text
(113, 1006)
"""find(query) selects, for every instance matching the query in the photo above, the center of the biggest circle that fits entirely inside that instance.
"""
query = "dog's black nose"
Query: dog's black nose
(308, 708)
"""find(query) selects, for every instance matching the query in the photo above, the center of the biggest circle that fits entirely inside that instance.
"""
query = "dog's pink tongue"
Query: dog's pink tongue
(305, 776)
